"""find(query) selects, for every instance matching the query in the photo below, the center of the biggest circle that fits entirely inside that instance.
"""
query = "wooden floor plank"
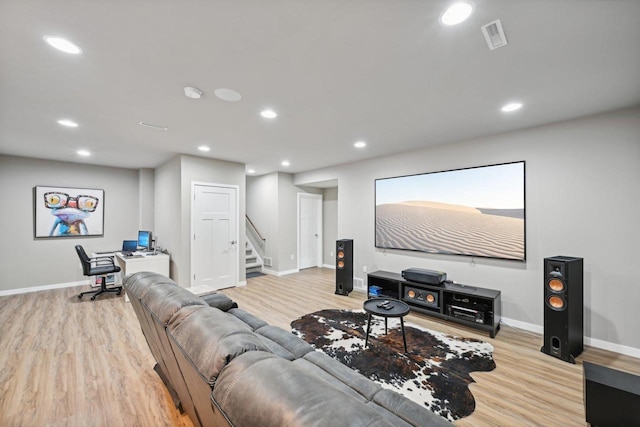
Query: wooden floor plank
(70, 362)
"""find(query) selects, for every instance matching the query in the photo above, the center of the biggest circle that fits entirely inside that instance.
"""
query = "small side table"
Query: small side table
(399, 309)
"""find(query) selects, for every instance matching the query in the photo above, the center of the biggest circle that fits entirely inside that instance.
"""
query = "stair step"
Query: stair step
(254, 267)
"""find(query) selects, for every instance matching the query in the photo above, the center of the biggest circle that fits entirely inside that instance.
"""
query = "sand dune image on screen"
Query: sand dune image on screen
(451, 229)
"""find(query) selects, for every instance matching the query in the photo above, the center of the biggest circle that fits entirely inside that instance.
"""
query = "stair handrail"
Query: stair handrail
(255, 231)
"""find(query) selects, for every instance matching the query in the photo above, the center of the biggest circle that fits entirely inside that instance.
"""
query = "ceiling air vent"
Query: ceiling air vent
(494, 35)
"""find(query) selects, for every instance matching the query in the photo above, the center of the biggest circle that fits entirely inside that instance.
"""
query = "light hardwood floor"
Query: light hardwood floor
(71, 362)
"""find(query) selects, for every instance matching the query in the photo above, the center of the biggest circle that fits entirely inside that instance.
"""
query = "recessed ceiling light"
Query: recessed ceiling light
(63, 45)
(360, 144)
(192, 92)
(512, 106)
(68, 123)
(251, 171)
(285, 163)
(228, 95)
(456, 13)
(204, 148)
(268, 114)
(83, 153)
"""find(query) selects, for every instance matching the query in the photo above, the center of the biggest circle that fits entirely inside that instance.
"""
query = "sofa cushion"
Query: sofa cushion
(261, 389)
(248, 318)
(210, 339)
(284, 343)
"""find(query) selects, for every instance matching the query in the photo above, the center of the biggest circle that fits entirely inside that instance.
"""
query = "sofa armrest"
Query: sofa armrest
(219, 301)
(253, 321)
(284, 343)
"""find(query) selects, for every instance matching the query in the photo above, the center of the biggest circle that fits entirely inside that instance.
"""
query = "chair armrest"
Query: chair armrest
(103, 260)
(110, 258)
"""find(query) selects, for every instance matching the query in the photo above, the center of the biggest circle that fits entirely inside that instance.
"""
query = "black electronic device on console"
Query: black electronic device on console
(421, 275)
(463, 308)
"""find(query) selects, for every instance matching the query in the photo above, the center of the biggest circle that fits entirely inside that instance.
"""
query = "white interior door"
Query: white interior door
(214, 248)
(309, 230)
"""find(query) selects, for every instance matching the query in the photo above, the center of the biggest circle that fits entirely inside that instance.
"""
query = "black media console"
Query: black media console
(467, 305)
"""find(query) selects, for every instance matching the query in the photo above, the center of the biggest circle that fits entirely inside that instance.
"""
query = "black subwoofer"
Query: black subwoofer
(611, 397)
(563, 307)
(344, 266)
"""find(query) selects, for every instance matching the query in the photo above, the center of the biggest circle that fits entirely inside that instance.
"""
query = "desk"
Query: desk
(158, 263)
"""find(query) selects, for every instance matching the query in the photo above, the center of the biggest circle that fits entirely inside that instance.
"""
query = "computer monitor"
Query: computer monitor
(129, 245)
(144, 240)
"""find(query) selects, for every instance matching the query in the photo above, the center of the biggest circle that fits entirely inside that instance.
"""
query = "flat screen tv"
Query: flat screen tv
(476, 212)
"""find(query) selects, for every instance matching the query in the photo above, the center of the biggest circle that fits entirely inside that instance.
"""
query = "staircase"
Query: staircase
(253, 263)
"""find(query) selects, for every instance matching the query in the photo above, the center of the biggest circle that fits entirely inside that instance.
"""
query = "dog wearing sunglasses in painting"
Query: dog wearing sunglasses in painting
(70, 212)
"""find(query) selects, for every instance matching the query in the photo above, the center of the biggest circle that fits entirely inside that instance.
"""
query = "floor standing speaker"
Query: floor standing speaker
(563, 308)
(344, 266)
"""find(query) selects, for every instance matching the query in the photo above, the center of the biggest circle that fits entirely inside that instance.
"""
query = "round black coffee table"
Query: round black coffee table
(398, 308)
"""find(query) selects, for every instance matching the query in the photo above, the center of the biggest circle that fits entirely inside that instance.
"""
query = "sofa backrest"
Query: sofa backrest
(262, 389)
(205, 341)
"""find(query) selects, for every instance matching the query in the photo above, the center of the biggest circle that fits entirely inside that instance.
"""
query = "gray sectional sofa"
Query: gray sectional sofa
(226, 367)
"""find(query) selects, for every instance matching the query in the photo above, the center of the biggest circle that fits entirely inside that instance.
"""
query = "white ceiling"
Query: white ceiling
(336, 71)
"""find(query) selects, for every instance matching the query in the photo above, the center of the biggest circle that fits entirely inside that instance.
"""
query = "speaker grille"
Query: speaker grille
(556, 302)
(556, 285)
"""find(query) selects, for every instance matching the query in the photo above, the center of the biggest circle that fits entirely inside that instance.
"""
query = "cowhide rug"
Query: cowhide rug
(434, 373)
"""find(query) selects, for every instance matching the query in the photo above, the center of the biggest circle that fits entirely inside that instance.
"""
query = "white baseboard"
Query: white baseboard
(592, 342)
(523, 325)
(333, 267)
(42, 288)
(243, 283)
(279, 273)
(284, 273)
(617, 348)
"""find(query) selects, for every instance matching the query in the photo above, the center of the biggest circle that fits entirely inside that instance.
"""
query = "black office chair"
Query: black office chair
(99, 266)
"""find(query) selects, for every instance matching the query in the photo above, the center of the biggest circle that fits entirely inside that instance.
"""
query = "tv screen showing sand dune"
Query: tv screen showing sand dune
(478, 212)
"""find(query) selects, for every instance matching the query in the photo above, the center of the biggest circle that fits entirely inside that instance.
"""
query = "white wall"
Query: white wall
(28, 262)
(272, 205)
(287, 223)
(168, 212)
(146, 203)
(582, 199)
(330, 225)
(173, 181)
(262, 208)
